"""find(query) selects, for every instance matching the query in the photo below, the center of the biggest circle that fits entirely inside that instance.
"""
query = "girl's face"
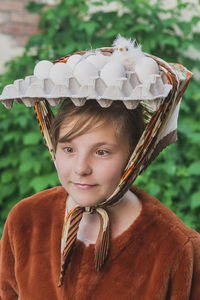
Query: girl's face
(90, 166)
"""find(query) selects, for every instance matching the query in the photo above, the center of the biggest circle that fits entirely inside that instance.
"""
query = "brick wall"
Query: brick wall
(16, 26)
(16, 22)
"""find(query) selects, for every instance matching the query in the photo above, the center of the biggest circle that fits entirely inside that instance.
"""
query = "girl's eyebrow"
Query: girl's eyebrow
(105, 144)
(64, 139)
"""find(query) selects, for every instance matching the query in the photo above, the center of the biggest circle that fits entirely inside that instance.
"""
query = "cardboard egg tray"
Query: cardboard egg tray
(128, 89)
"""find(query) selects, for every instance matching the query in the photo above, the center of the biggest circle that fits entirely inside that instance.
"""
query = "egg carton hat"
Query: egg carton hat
(120, 73)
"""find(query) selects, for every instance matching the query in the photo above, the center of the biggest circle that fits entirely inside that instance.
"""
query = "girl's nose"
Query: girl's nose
(82, 166)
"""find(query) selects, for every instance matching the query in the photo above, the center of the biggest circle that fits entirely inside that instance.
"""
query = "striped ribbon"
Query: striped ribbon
(69, 237)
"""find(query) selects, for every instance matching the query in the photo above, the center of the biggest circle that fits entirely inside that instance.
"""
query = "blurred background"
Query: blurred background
(50, 29)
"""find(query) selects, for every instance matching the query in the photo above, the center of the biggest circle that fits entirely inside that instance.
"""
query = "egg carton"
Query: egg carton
(128, 89)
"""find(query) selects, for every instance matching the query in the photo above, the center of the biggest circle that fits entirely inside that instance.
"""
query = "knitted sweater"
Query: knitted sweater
(156, 258)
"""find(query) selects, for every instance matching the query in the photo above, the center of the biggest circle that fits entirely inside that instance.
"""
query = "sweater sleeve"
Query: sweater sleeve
(8, 285)
(185, 277)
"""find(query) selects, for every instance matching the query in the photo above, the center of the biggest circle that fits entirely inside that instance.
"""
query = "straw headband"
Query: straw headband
(121, 73)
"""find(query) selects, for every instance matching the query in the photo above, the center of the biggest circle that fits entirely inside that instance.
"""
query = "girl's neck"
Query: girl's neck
(122, 215)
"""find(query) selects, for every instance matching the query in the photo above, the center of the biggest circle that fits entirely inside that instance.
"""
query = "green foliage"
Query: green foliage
(24, 163)
(72, 25)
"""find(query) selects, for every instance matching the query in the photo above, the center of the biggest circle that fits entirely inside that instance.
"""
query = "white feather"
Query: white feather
(127, 52)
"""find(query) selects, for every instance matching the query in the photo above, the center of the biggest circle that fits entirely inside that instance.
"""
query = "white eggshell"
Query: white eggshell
(73, 60)
(146, 67)
(85, 73)
(97, 60)
(42, 69)
(59, 72)
(112, 72)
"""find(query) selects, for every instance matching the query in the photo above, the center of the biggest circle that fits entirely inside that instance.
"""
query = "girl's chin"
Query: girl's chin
(87, 197)
(86, 200)
(84, 203)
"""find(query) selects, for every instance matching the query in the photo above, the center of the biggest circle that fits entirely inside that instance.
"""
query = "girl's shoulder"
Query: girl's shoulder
(38, 207)
(163, 223)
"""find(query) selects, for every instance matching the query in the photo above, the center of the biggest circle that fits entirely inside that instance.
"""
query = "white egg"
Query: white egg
(73, 60)
(112, 72)
(59, 72)
(97, 60)
(85, 73)
(42, 69)
(145, 67)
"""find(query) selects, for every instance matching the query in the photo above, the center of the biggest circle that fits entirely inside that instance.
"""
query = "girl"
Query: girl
(117, 241)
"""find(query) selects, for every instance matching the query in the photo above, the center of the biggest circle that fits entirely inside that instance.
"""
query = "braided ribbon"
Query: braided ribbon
(69, 237)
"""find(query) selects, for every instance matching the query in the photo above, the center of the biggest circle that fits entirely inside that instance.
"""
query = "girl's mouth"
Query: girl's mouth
(84, 186)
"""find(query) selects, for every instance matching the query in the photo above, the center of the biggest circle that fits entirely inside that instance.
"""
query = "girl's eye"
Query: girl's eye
(68, 149)
(101, 152)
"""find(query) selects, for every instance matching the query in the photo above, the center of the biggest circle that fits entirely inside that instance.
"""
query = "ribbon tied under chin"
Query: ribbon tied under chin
(69, 237)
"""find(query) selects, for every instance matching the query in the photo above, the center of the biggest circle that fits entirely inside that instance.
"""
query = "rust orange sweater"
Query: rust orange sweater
(156, 258)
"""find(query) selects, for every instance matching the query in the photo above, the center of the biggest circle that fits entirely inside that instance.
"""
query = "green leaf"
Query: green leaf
(11, 136)
(195, 200)
(170, 21)
(154, 189)
(170, 40)
(26, 166)
(195, 20)
(185, 27)
(7, 190)
(185, 44)
(5, 161)
(194, 168)
(7, 176)
(84, 8)
(31, 138)
(42, 182)
(34, 7)
(37, 167)
(38, 184)
(90, 27)
(196, 44)
(97, 3)
(141, 27)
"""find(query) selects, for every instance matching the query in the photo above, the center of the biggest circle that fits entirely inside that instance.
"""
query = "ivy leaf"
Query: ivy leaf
(140, 27)
(34, 7)
(195, 20)
(194, 168)
(196, 44)
(31, 138)
(7, 176)
(7, 190)
(195, 137)
(154, 189)
(26, 166)
(170, 40)
(195, 200)
(97, 3)
(5, 161)
(169, 21)
(42, 182)
(38, 184)
(89, 27)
